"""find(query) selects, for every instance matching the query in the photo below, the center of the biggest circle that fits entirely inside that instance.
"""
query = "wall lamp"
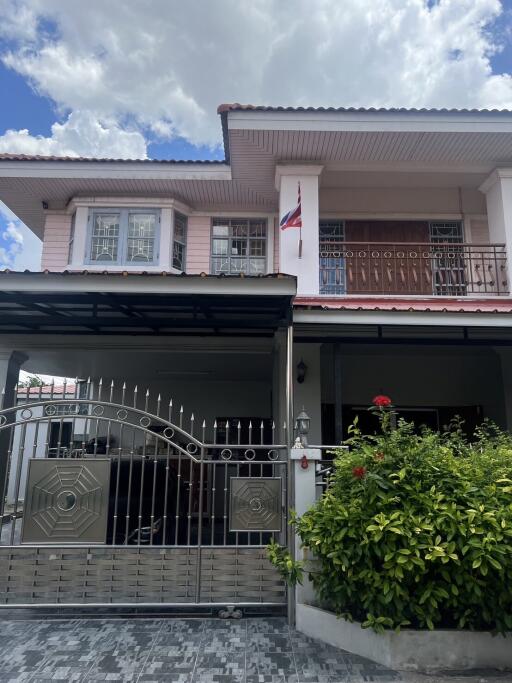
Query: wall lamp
(302, 369)
(302, 423)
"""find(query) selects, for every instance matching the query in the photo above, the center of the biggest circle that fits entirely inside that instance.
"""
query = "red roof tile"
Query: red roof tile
(388, 303)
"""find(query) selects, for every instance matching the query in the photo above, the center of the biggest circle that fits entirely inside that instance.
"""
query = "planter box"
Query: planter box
(409, 650)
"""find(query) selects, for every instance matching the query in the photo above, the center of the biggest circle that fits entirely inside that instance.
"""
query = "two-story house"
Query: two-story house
(175, 280)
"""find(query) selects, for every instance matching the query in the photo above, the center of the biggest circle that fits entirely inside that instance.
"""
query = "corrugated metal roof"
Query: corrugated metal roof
(384, 303)
(159, 273)
(6, 156)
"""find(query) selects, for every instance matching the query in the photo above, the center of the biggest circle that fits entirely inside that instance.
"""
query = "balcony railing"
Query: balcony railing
(439, 269)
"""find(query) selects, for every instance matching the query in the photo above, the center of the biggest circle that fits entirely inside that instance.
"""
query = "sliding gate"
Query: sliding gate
(112, 502)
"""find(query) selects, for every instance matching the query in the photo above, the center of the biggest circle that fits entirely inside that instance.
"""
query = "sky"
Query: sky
(143, 78)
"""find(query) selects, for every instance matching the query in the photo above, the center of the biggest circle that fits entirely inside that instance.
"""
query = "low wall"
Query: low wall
(409, 650)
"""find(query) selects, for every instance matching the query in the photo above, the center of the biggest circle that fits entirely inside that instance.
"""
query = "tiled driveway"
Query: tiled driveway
(184, 650)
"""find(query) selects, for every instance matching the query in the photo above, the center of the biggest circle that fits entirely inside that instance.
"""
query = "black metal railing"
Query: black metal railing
(439, 269)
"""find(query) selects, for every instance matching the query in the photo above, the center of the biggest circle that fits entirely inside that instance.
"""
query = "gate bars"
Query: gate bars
(169, 485)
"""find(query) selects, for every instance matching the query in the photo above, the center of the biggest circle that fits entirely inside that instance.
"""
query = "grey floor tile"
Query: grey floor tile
(269, 678)
(164, 663)
(166, 678)
(220, 663)
(269, 642)
(271, 663)
(268, 625)
(183, 625)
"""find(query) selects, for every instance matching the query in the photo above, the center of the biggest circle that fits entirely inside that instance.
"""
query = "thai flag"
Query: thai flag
(292, 219)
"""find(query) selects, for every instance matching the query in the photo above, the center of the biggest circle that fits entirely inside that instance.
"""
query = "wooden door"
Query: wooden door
(388, 257)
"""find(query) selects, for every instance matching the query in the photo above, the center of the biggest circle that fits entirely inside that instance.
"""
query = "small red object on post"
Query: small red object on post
(304, 462)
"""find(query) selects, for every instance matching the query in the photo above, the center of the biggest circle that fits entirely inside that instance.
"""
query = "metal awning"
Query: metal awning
(144, 304)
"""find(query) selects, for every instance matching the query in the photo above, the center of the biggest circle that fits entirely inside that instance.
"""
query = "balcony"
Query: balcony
(423, 269)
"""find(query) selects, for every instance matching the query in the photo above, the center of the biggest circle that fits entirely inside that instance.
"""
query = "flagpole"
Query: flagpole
(300, 226)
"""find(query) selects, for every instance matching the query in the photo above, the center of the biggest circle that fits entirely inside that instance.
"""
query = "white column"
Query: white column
(304, 465)
(10, 363)
(307, 394)
(306, 268)
(498, 193)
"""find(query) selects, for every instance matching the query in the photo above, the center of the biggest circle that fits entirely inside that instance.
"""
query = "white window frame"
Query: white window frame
(122, 247)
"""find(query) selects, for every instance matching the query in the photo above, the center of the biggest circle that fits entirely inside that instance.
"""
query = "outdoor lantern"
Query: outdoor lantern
(302, 422)
(301, 371)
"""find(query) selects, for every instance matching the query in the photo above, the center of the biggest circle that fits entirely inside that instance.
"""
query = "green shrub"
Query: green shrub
(415, 530)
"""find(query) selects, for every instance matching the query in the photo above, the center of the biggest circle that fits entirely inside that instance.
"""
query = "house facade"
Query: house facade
(200, 328)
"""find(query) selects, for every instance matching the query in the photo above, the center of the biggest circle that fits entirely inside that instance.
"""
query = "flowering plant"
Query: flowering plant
(414, 529)
(381, 401)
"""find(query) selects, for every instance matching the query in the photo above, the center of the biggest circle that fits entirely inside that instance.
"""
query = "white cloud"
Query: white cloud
(167, 64)
(21, 249)
(82, 134)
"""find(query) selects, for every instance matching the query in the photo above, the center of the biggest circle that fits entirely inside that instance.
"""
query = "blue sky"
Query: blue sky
(114, 79)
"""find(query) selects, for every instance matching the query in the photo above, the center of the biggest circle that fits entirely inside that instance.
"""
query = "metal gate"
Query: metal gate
(117, 501)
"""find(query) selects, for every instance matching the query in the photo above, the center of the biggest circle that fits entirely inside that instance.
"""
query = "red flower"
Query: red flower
(381, 401)
(359, 472)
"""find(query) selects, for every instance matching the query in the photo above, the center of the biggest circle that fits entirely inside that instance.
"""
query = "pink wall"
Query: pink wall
(57, 232)
(198, 244)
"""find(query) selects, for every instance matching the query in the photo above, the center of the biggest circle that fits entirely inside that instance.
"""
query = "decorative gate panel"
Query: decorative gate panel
(163, 516)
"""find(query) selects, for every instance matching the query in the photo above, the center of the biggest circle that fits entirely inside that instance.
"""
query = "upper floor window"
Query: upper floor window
(179, 245)
(123, 236)
(239, 245)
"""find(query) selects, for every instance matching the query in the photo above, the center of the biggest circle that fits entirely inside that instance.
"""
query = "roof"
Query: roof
(441, 304)
(45, 389)
(6, 156)
(223, 108)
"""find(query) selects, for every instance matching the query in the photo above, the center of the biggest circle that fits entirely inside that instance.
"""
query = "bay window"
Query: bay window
(239, 246)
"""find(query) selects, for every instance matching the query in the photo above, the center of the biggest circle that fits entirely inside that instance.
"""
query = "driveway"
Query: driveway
(182, 650)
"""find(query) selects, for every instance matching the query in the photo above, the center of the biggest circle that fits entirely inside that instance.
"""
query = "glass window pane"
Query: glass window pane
(239, 247)
(239, 229)
(256, 266)
(221, 230)
(257, 229)
(141, 225)
(257, 247)
(105, 237)
(140, 250)
(220, 265)
(238, 265)
(220, 247)
(178, 256)
(106, 225)
(180, 228)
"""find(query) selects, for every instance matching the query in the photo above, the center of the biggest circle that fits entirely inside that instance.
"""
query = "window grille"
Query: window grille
(332, 260)
(448, 273)
(123, 237)
(239, 246)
